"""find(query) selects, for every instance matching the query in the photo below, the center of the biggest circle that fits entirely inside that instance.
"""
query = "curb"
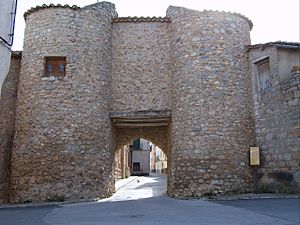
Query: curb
(44, 204)
(57, 204)
(250, 197)
(211, 198)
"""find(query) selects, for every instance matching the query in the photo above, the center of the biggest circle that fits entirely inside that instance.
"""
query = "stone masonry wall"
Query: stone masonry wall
(193, 65)
(211, 103)
(277, 127)
(157, 135)
(141, 66)
(7, 123)
(63, 133)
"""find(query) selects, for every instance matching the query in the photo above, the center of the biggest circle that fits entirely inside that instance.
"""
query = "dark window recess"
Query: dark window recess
(136, 166)
(137, 144)
(263, 67)
(55, 66)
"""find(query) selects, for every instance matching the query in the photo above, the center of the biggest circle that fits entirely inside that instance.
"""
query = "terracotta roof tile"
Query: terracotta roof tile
(141, 19)
(44, 6)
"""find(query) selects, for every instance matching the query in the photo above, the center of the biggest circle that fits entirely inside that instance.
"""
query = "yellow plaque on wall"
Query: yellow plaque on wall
(254, 156)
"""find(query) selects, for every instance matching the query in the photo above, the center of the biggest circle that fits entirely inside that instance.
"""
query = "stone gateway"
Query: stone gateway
(90, 82)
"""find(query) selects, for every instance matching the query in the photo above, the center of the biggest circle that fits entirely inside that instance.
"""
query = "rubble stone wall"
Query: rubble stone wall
(211, 103)
(277, 120)
(62, 147)
(194, 64)
(141, 66)
(157, 135)
(7, 123)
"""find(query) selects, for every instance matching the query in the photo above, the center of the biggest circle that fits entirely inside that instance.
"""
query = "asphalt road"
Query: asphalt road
(141, 201)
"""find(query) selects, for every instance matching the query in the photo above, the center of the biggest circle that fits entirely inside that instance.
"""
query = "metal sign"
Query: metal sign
(254, 156)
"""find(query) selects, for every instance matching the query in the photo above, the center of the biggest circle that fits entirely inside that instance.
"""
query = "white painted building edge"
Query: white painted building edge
(142, 157)
(6, 19)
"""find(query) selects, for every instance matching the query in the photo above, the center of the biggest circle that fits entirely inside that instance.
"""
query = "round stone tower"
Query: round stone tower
(211, 103)
(62, 146)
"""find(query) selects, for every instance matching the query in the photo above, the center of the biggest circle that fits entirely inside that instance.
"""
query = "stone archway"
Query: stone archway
(67, 128)
(149, 125)
(157, 135)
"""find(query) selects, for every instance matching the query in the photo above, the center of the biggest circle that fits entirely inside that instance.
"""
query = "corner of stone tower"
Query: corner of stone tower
(103, 6)
(173, 11)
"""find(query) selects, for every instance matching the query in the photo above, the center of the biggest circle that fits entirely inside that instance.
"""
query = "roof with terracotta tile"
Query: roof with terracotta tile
(124, 19)
(141, 19)
(44, 6)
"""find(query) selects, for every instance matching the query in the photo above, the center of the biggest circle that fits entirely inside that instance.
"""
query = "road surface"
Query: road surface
(142, 201)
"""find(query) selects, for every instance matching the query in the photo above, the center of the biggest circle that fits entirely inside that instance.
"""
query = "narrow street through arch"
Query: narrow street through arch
(139, 187)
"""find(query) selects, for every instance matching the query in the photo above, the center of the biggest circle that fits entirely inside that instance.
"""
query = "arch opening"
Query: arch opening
(141, 159)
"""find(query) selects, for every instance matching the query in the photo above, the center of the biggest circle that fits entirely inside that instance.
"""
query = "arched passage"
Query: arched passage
(157, 135)
(140, 170)
(151, 125)
(153, 128)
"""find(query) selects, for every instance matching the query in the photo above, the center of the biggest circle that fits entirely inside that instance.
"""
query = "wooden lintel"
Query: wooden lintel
(143, 114)
(141, 120)
(141, 124)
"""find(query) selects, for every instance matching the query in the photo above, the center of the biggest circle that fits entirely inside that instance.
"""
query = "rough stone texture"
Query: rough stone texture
(121, 167)
(157, 135)
(277, 119)
(181, 82)
(62, 146)
(7, 123)
(211, 103)
(141, 67)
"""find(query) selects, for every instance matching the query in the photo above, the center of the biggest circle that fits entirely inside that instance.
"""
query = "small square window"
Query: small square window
(136, 166)
(55, 66)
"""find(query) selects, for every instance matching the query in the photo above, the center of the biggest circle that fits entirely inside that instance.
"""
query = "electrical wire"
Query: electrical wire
(13, 14)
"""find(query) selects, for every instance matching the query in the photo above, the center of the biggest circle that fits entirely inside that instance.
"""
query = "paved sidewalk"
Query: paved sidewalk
(249, 196)
(119, 184)
(124, 191)
(142, 201)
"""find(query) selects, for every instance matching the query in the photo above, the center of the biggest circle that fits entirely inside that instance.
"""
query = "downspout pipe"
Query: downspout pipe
(12, 32)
